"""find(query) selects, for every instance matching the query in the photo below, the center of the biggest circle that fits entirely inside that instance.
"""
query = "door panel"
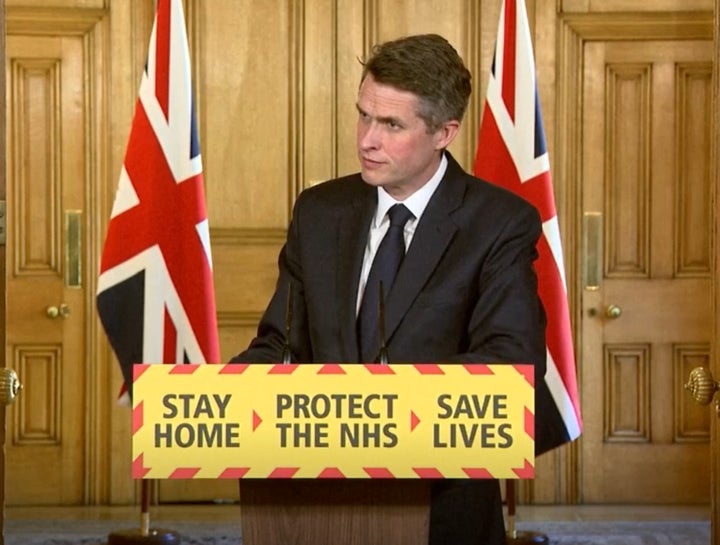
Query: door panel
(46, 186)
(646, 182)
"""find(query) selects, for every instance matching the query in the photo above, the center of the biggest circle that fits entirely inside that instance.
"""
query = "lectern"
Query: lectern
(331, 454)
(334, 512)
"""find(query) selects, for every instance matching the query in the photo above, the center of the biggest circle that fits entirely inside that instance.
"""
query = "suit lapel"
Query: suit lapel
(354, 226)
(434, 233)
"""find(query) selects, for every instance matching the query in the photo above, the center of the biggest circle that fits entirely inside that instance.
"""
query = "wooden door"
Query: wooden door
(46, 294)
(647, 276)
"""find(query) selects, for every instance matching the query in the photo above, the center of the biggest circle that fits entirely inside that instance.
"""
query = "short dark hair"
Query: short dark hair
(427, 66)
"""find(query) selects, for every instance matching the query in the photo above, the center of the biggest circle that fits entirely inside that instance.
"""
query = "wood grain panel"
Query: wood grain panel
(319, 112)
(35, 164)
(691, 421)
(626, 393)
(249, 272)
(249, 57)
(236, 330)
(627, 170)
(635, 5)
(36, 416)
(97, 4)
(694, 175)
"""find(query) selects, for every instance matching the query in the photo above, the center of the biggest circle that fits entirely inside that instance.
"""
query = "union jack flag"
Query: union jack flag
(511, 152)
(155, 293)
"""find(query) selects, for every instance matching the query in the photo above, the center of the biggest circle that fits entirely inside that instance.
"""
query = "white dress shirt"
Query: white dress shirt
(416, 203)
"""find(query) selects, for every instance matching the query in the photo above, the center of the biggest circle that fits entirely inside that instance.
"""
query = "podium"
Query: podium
(332, 512)
(331, 454)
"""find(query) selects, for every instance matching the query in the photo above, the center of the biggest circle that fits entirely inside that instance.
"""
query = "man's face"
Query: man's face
(394, 147)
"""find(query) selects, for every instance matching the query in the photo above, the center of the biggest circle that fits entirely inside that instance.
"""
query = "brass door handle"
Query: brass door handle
(701, 385)
(613, 312)
(63, 311)
(9, 386)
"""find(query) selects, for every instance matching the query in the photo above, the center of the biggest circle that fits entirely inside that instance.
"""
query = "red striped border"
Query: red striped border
(139, 369)
(331, 473)
(283, 369)
(184, 472)
(528, 371)
(234, 368)
(379, 472)
(478, 473)
(138, 467)
(428, 473)
(234, 473)
(183, 369)
(478, 369)
(283, 472)
(428, 369)
(376, 369)
(138, 417)
(530, 423)
(332, 369)
(525, 472)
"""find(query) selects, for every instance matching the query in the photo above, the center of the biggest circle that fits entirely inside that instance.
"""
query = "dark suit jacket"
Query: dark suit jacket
(466, 290)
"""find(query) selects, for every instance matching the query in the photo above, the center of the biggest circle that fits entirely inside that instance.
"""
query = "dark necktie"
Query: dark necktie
(385, 266)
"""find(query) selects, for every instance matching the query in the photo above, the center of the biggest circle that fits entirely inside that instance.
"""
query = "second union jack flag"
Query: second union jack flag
(511, 152)
(155, 293)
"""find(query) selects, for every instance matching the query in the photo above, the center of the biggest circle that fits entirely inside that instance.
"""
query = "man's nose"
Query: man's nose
(369, 136)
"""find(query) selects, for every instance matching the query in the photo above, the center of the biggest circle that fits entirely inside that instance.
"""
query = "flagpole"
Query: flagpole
(144, 535)
(145, 507)
(513, 536)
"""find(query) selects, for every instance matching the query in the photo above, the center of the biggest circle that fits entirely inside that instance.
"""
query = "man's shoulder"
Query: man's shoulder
(479, 191)
(334, 192)
(482, 193)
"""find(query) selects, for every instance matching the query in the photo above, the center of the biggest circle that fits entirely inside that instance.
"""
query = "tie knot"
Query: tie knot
(399, 215)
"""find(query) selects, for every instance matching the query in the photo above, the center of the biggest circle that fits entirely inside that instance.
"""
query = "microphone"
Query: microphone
(288, 320)
(381, 325)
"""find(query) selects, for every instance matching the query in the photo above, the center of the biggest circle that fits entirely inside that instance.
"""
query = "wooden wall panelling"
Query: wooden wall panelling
(624, 6)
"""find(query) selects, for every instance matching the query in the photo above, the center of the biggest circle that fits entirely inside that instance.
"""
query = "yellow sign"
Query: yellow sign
(333, 421)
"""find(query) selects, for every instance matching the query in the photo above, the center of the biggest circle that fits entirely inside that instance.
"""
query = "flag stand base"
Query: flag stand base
(155, 536)
(512, 536)
(527, 538)
(144, 535)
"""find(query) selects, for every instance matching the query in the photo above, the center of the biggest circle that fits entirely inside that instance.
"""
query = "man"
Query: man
(465, 291)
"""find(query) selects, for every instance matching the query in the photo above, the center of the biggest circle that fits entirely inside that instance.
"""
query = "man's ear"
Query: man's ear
(446, 134)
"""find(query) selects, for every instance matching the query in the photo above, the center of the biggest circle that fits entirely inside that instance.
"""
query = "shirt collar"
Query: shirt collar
(417, 202)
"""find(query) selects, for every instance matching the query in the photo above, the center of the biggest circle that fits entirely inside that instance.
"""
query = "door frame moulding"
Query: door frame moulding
(575, 30)
(92, 26)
